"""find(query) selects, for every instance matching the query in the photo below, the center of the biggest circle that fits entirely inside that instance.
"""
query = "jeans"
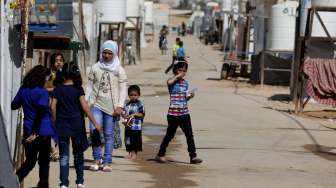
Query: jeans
(184, 123)
(108, 122)
(38, 150)
(64, 160)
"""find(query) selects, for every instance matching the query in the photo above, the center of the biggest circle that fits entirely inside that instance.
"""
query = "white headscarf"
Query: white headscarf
(114, 64)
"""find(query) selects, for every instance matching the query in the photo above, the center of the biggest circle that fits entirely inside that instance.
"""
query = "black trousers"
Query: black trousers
(38, 150)
(184, 123)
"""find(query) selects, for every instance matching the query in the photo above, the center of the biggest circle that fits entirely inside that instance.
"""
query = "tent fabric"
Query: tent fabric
(321, 84)
(7, 177)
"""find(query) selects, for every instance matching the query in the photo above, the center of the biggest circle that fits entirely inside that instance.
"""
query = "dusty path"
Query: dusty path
(242, 141)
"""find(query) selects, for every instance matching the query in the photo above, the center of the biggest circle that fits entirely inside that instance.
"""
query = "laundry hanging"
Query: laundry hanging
(321, 84)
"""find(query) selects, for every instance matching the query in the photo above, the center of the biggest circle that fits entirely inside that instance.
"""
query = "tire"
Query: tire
(225, 71)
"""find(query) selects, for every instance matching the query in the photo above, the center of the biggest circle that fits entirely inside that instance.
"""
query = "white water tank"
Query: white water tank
(149, 12)
(133, 8)
(324, 3)
(226, 5)
(282, 26)
(111, 11)
(328, 18)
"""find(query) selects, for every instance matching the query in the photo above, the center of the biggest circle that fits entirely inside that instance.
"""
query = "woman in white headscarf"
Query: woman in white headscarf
(106, 93)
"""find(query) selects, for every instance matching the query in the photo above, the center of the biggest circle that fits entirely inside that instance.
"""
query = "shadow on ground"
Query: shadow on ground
(325, 152)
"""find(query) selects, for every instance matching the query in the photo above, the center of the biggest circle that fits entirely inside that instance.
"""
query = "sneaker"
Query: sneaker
(80, 186)
(94, 167)
(107, 168)
(195, 160)
(160, 159)
(63, 186)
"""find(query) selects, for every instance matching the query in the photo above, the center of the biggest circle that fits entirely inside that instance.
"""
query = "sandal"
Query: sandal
(94, 167)
(160, 159)
(54, 155)
(195, 160)
(107, 168)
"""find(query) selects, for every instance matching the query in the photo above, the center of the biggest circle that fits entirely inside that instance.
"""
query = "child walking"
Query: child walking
(68, 104)
(37, 125)
(134, 115)
(178, 113)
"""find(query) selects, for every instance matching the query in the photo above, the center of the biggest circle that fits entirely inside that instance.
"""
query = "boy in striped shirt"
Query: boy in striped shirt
(178, 113)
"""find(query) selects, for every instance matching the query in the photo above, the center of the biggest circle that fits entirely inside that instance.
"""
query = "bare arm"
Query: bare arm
(86, 109)
(53, 108)
(173, 79)
(138, 115)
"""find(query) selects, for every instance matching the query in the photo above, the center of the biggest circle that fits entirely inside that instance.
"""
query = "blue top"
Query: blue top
(178, 98)
(32, 99)
(133, 107)
(180, 53)
(69, 113)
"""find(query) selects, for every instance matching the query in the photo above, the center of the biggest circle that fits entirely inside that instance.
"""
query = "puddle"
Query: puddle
(154, 130)
(170, 174)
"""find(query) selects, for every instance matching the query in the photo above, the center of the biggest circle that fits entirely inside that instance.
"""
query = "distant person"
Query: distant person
(176, 46)
(37, 126)
(68, 106)
(56, 63)
(134, 115)
(163, 35)
(106, 94)
(178, 113)
(183, 29)
(180, 52)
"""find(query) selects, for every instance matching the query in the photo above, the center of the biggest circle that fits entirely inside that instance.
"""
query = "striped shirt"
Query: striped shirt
(132, 108)
(178, 98)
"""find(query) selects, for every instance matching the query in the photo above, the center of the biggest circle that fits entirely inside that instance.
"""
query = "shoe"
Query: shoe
(107, 168)
(63, 186)
(80, 186)
(94, 167)
(160, 159)
(195, 160)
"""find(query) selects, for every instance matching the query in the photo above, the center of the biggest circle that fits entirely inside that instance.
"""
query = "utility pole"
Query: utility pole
(82, 35)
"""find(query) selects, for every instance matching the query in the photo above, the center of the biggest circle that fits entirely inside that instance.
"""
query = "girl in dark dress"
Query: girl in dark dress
(68, 104)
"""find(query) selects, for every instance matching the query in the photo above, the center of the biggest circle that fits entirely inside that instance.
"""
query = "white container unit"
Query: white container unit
(149, 12)
(226, 5)
(324, 3)
(328, 18)
(111, 11)
(133, 8)
(282, 26)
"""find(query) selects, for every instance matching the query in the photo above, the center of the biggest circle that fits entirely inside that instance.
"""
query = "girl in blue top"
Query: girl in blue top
(68, 106)
(37, 126)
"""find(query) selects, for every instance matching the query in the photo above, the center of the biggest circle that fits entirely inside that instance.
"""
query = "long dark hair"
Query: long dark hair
(53, 59)
(71, 71)
(36, 77)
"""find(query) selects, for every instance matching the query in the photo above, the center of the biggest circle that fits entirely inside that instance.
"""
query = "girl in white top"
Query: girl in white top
(106, 93)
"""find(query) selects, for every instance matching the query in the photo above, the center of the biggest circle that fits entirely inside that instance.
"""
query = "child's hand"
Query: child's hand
(31, 138)
(98, 127)
(180, 75)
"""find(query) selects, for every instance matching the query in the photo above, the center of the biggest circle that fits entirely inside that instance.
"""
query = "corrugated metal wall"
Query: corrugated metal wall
(10, 71)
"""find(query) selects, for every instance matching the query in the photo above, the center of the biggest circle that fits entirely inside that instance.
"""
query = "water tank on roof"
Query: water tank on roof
(328, 18)
(111, 11)
(226, 5)
(282, 26)
(324, 3)
(133, 8)
(149, 12)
